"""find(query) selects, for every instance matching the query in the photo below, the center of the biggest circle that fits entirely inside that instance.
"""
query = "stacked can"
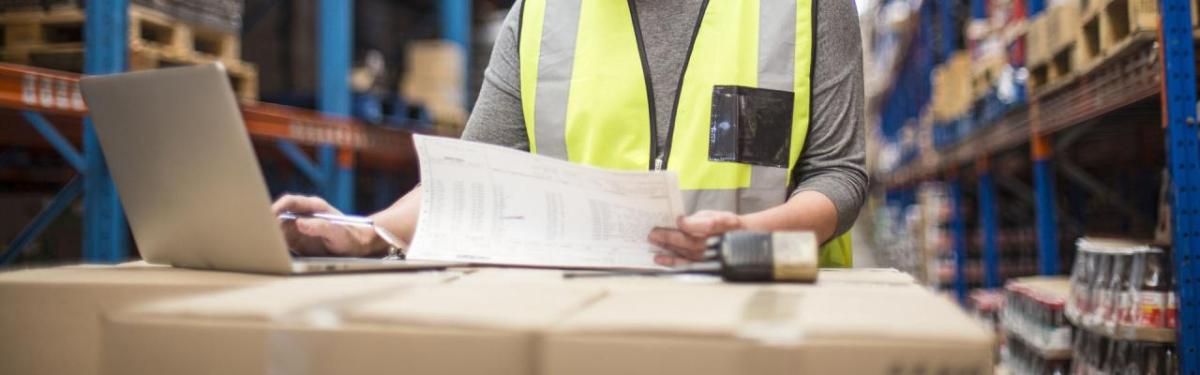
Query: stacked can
(1116, 283)
(1038, 335)
(1096, 354)
(1125, 309)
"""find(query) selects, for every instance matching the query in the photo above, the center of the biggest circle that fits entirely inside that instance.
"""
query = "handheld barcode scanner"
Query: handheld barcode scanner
(747, 256)
(765, 256)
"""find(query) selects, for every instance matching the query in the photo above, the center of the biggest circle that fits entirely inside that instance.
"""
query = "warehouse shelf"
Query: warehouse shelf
(1121, 331)
(1042, 349)
(57, 93)
(1133, 84)
(326, 147)
(1127, 77)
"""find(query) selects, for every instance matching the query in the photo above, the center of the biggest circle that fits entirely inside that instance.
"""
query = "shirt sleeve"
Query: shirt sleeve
(497, 117)
(832, 162)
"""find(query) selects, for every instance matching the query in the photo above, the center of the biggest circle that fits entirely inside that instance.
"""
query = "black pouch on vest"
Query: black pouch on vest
(751, 126)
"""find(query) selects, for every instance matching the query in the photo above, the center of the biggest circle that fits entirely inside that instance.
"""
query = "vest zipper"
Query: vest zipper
(665, 156)
(655, 160)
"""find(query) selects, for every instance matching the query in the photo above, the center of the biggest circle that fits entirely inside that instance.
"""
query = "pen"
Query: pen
(358, 221)
(397, 246)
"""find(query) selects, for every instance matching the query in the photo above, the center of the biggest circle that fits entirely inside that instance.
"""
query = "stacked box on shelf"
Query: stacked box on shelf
(952, 87)
(1037, 39)
(1107, 26)
(1196, 18)
(951, 97)
(435, 79)
(225, 15)
(1051, 56)
(995, 88)
(10, 5)
(54, 39)
(986, 71)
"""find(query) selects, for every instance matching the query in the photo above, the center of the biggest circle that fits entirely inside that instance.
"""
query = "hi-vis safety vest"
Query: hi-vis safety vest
(587, 97)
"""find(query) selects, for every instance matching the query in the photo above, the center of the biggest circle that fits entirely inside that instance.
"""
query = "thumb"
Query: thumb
(709, 223)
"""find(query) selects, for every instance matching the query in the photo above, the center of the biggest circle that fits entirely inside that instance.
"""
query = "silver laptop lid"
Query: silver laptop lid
(186, 170)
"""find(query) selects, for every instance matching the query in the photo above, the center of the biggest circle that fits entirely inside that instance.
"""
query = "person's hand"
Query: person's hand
(317, 237)
(688, 242)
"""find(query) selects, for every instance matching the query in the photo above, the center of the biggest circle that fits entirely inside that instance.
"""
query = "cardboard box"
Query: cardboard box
(825, 276)
(1038, 40)
(338, 326)
(1062, 26)
(986, 71)
(952, 87)
(522, 321)
(776, 329)
(519, 276)
(51, 318)
(864, 276)
(435, 78)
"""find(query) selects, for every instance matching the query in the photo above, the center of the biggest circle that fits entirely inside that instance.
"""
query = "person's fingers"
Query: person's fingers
(311, 227)
(708, 223)
(669, 260)
(300, 203)
(332, 239)
(299, 242)
(284, 203)
(678, 243)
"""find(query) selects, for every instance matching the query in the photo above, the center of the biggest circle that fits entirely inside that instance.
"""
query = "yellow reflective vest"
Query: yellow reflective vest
(586, 95)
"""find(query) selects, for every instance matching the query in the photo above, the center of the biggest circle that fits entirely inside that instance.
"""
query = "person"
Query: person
(756, 105)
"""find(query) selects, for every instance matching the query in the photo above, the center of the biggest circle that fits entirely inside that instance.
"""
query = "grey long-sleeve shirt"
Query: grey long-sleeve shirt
(832, 160)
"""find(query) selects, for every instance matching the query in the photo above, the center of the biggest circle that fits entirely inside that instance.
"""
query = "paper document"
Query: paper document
(489, 204)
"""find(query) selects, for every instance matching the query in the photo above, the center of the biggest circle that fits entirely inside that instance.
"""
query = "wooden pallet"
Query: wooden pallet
(1037, 41)
(1059, 67)
(1109, 25)
(1195, 19)
(243, 76)
(146, 26)
(54, 39)
(1196, 16)
(1051, 34)
(1106, 28)
(1053, 56)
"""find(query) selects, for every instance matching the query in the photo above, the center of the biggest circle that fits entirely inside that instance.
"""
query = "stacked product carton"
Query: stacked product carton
(515, 321)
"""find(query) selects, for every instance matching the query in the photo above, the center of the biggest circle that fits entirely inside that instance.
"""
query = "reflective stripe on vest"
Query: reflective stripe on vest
(587, 97)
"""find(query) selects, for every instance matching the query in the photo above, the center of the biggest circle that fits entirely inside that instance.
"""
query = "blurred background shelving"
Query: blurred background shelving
(1001, 132)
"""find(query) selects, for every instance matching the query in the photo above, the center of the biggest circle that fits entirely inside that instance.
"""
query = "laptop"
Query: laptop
(189, 179)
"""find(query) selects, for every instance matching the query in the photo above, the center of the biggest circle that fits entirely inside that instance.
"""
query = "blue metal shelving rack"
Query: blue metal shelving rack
(1179, 99)
(333, 172)
(105, 236)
